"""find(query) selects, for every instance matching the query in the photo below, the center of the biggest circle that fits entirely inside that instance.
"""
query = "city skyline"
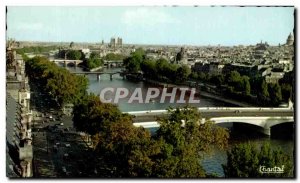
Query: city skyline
(226, 26)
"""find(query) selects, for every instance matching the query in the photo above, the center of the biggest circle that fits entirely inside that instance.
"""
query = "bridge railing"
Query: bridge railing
(249, 109)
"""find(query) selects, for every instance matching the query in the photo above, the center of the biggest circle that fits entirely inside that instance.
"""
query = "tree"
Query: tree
(74, 55)
(286, 90)
(263, 94)
(217, 79)
(182, 73)
(132, 64)
(202, 76)
(233, 77)
(113, 56)
(161, 65)
(246, 85)
(236, 81)
(244, 161)
(126, 149)
(183, 137)
(56, 82)
(149, 69)
(91, 115)
(93, 61)
(275, 93)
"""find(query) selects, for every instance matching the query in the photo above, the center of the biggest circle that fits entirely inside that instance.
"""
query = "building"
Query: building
(181, 57)
(274, 76)
(290, 40)
(119, 42)
(243, 69)
(216, 68)
(116, 42)
(113, 42)
(19, 118)
(201, 67)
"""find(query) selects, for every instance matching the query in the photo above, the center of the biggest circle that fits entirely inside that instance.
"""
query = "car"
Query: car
(66, 156)
(64, 170)
(55, 148)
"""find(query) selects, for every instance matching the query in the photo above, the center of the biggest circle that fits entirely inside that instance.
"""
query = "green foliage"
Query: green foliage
(94, 61)
(263, 95)
(275, 93)
(149, 69)
(183, 138)
(287, 84)
(244, 161)
(132, 63)
(131, 152)
(182, 73)
(35, 49)
(286, 90)
(246, 85)
(233, 78)
(139, 53)
(126, 149)
(202, 76)
(59, 83)
(90, 115)
(217, 80)
(74, 55)
(113, 56)
(160, 69)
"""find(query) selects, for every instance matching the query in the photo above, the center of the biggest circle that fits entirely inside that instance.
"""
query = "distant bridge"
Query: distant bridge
(66, 62)
(110, 63)
(99, 73)
(265, 118)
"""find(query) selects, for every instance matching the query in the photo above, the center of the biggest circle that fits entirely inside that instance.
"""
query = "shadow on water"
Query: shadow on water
(284, 131)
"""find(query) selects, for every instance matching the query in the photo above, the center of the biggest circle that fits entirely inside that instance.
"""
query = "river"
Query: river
(212, 163)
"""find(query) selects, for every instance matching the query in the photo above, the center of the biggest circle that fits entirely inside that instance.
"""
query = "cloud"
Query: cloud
(147, 17)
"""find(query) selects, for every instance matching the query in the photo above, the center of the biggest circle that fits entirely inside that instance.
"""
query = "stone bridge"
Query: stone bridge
(265, 118)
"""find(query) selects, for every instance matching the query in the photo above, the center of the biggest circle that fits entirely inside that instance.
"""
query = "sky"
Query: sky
(180, 25)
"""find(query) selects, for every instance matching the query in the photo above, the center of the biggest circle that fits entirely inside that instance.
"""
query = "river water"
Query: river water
(212, 162)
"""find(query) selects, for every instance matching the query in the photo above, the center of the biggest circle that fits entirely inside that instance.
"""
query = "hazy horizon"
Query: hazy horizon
(194, 26)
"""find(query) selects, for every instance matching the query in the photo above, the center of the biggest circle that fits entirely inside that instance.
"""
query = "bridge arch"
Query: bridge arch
(264, 122)
(71, 64)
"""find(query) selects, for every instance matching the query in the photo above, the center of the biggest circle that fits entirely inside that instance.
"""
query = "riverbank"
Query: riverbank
(201, 93)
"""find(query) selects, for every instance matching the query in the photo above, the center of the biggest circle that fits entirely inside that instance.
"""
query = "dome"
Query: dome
(290, 39)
